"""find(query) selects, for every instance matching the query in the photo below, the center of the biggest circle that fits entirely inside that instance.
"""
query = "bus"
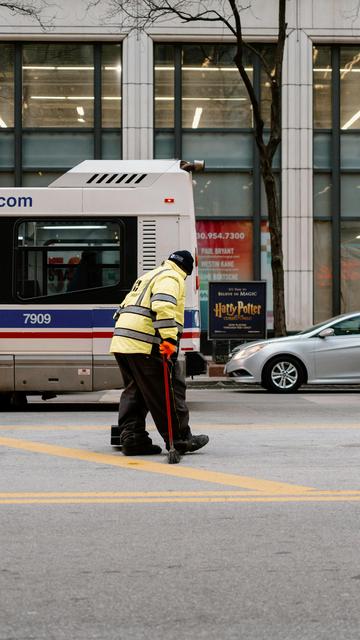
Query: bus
(70, 252)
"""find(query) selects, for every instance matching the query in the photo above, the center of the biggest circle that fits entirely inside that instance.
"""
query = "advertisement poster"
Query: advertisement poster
(225, 254)
(237, 310)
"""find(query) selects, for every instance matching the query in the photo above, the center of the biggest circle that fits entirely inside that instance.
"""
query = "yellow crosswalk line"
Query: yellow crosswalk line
(138, 464)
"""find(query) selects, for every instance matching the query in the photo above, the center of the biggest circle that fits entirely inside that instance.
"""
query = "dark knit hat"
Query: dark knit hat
(184, 260)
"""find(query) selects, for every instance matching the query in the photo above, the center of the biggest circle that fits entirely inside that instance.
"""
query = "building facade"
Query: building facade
(83, 87)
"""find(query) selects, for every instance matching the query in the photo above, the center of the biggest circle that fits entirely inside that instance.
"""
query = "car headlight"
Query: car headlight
(248, 351)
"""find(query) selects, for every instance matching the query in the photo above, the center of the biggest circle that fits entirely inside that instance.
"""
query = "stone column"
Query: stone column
(137, 102)
(297, 176)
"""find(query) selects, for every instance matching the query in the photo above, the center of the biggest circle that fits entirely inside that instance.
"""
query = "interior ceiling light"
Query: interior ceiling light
(80, 111)
(353, 119)
(202, 69)
(3, 124)
(197, 116)
(71, 226)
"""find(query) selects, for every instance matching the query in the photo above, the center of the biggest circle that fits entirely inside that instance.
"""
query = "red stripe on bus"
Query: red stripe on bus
(72, 334)
(47, 334)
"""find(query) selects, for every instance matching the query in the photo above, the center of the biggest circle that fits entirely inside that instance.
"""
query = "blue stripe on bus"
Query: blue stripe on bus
(70, 318)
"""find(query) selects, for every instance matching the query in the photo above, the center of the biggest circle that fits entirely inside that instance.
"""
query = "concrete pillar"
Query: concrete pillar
(297, 176)
(137, 100)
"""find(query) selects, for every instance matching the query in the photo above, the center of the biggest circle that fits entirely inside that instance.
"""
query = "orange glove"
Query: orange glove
(167, 349)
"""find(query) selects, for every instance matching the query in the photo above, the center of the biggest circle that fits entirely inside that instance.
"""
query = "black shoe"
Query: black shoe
(146, 449)
(115, 435)
(194, 443)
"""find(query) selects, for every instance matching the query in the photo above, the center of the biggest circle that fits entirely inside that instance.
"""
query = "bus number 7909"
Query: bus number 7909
(37, 318)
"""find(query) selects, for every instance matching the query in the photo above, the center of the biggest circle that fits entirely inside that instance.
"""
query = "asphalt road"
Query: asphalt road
(255, 537)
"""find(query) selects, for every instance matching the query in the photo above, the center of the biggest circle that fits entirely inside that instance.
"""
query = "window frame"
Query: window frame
(256, 215)
(97, 130)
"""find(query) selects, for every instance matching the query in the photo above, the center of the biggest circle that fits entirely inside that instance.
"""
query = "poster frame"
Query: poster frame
(244, 336)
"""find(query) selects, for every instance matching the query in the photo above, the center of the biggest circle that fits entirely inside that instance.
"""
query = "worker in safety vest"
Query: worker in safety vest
(148, 328)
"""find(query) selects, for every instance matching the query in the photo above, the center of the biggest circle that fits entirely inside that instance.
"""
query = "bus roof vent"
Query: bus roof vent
(114, 174)
(116, 179)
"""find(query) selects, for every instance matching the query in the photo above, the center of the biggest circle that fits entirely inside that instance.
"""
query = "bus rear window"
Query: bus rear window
(57, 257)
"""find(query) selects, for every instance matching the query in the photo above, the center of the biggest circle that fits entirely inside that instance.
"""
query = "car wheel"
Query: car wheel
(283, 374)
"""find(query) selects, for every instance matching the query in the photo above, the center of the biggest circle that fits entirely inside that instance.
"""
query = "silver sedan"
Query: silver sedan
(327, 353)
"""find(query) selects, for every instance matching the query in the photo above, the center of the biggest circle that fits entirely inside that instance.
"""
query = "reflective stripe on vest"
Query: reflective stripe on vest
(164, 324)
(164, 297)
(134, 308)
(136, 335)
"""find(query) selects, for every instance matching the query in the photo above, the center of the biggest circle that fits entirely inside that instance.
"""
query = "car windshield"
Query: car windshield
(318, 326)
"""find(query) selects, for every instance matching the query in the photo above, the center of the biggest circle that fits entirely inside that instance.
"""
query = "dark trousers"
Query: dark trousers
(144, 391)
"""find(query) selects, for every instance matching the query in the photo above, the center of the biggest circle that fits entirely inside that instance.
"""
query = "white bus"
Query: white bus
(70, 252)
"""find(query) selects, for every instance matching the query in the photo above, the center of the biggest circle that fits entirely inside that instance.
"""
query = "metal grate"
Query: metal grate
(121, 179)
(149, 244)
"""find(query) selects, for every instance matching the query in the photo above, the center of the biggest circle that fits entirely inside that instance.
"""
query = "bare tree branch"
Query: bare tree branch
(31, 8)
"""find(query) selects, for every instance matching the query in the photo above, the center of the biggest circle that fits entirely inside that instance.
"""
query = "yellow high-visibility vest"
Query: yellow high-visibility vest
(152, 311)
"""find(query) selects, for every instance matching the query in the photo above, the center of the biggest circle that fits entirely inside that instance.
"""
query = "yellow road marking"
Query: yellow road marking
(193, 499)
(137, 464)
(164, 494)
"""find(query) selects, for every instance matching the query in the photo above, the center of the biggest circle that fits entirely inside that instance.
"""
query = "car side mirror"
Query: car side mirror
(326, 333)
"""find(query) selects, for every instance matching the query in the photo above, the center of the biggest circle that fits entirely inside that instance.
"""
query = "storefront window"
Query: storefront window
(322, 87)
(212, 94)
(6, 86)
(223, 194)
(349, 88)
(323, 277)
(225, 253)
(58, 85)
(111, 85)
(350, 266)
(164, 86)
(266, 272)
(322, 195)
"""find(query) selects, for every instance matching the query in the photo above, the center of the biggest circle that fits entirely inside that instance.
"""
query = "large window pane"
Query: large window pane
(350, 150)
(111, 85)
(350, 195)
(350, 266)
(322, 271)
(6, 85)
(266, 273)
(56, 149)
(164, 86)
(213, 94)
(39, 178)
(223, 194)
(7, 179)
(219, 149)
(164, 144)
(322, 151)
(62, 257)
(58, 85)
(350, 87)
(225, 253)
(322, 195)
(322, 87)
(111, 145)
(6, 148)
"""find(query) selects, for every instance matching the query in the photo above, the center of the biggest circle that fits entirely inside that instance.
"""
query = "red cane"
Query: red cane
(173, 455)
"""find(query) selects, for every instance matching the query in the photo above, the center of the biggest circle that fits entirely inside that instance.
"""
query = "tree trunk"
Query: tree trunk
(276, 249)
